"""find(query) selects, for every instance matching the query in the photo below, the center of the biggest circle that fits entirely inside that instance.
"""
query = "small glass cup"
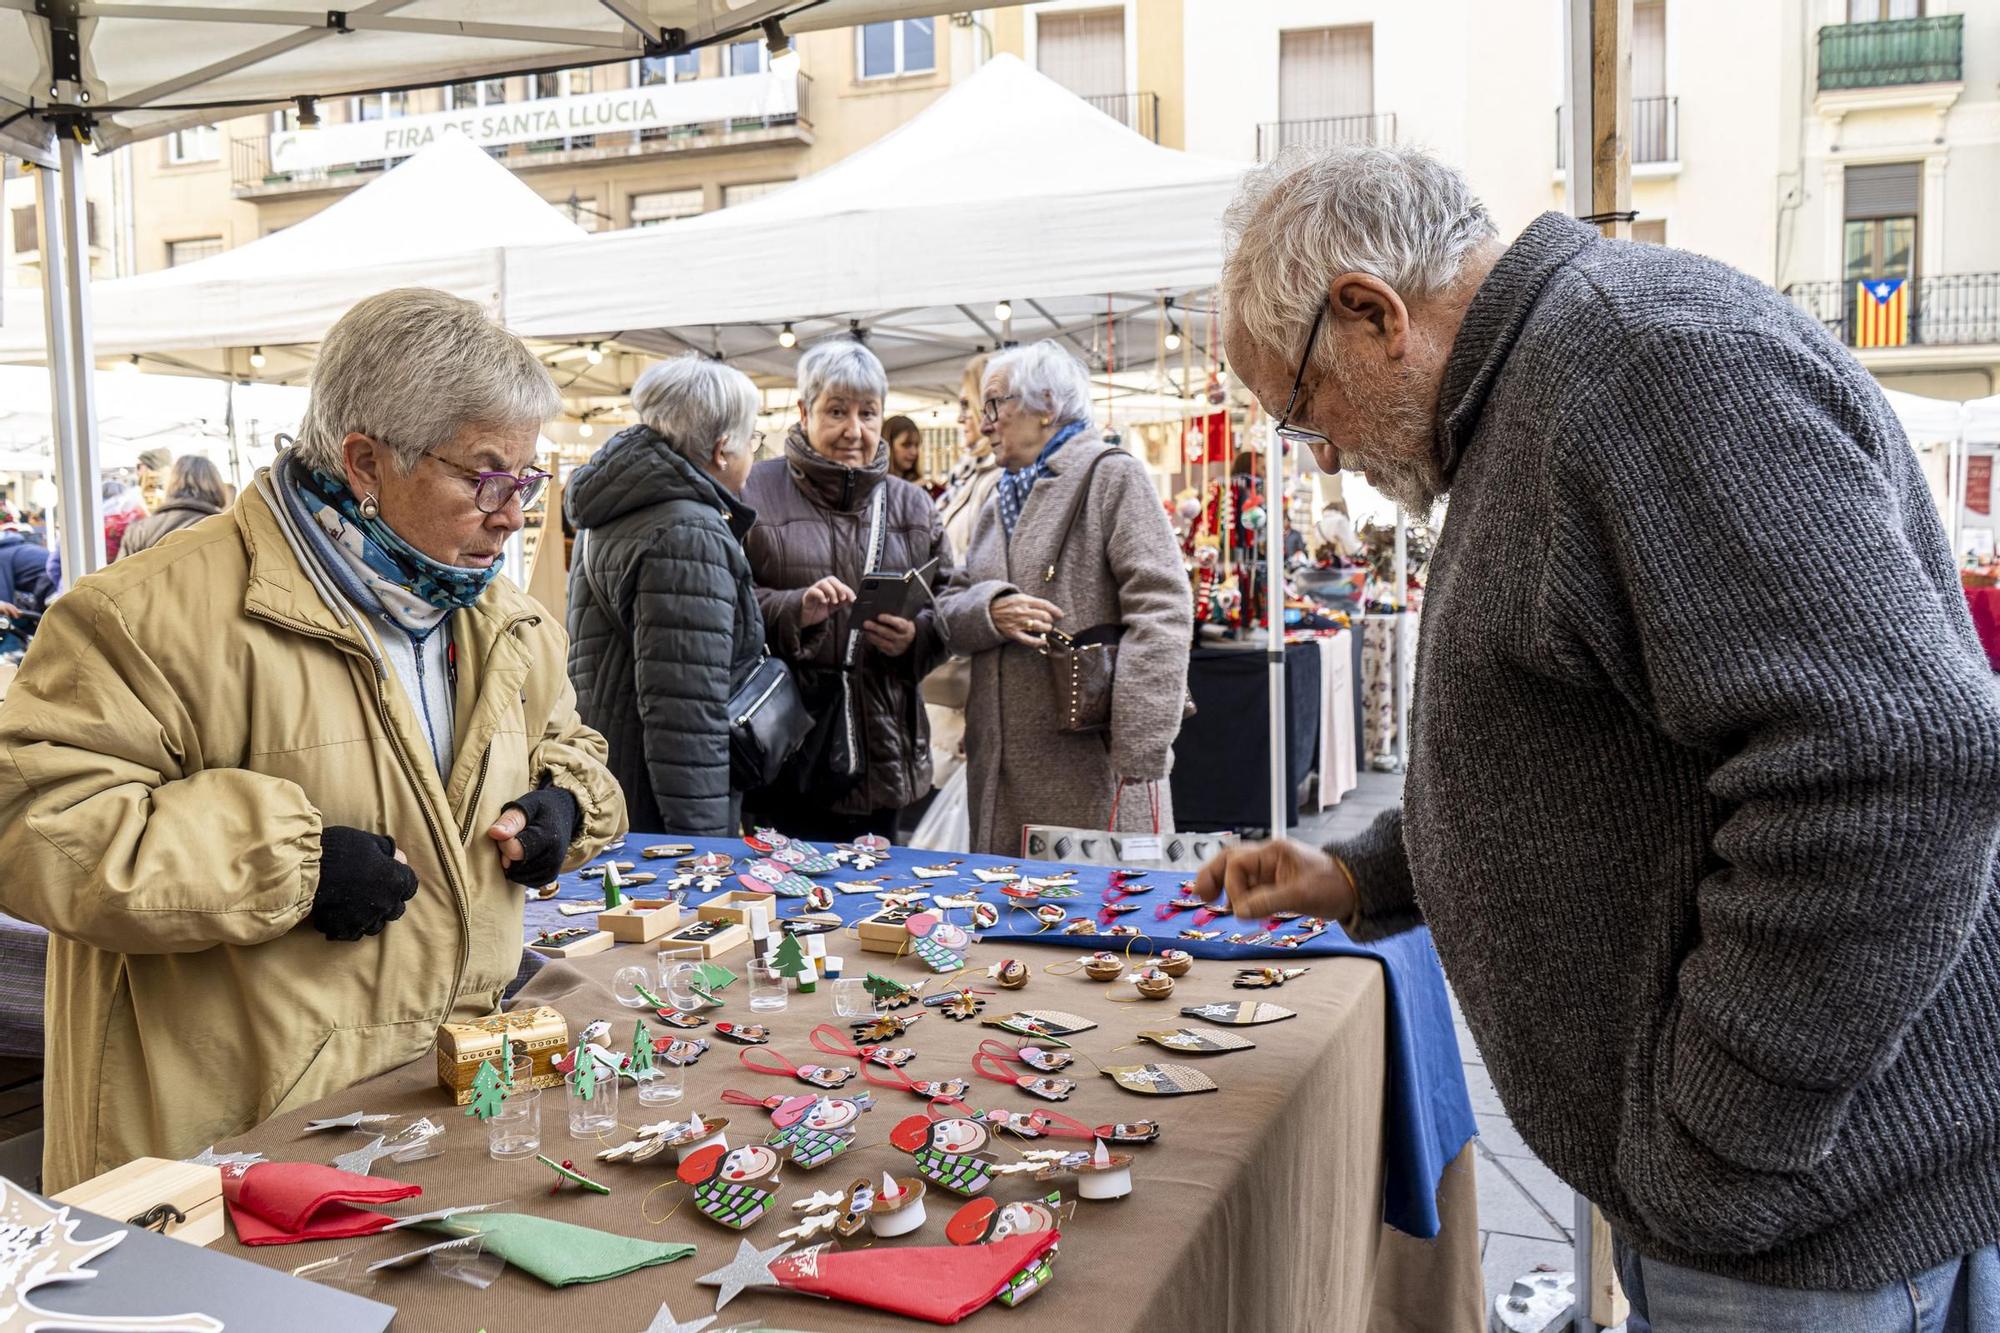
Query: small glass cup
(664, 1085)
(851, 998)
(596, 1114)
(767, 986)
(515, 1130)
(676, 967)
(625, 984)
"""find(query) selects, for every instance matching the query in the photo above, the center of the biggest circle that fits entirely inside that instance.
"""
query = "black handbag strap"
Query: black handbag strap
(1075, 508)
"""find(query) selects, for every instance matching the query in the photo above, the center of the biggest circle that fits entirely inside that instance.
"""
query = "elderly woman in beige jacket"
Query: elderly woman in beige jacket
(1121, 565)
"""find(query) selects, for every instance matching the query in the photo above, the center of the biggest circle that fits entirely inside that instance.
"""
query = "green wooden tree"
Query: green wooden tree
(642, 1049)
(790, 958)
(882, 988)
(586, 1074)
(613, 896)
(487, 1091)
(507, 1062)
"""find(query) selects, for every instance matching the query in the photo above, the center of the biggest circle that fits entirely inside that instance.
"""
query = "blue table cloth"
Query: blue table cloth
(1430, 1112)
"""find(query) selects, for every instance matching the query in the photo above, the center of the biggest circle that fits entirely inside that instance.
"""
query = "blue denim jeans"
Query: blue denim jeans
(1962, 1296)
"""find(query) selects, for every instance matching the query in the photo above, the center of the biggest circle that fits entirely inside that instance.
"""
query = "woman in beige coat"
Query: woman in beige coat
(275, 787)
(1121, 565)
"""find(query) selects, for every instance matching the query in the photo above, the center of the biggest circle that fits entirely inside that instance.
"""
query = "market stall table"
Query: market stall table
(1260, 1207)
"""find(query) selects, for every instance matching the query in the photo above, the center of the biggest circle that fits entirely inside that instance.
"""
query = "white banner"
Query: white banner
(695, 102)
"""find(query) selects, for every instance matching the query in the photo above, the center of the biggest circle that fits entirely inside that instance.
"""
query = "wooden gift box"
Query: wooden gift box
(573, 942)
(539, 1033)
(887, 931)
(732, 907)
(133, 1191)
(712, 936)
(639, 920)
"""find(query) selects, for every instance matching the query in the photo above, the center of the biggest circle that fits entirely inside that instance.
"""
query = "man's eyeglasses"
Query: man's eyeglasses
(991, 412)
(1302, 435)
(492, 490)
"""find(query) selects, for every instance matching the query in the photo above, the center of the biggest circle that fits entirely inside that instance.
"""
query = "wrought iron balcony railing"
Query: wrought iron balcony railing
(1138, 112)
(1952, 310)
(1274, 137)
(1655, 132)
(1892, 53)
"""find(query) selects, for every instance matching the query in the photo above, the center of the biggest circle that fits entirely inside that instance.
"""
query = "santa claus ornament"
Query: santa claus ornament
(733, 1186)
(947, 1152)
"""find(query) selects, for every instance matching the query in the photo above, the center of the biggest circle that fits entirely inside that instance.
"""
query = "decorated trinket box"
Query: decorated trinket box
(539, 1033)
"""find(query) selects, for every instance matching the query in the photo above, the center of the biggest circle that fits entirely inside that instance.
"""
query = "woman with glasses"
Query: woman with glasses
(966, 491)
(1030, 571)
(276, 786)
(663, 620)
(828, 514)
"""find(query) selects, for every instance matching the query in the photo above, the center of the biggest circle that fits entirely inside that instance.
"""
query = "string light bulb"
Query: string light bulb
(1173, 336)
(257, 358)
(786, 338)
(584, 430)
(594, 353)
(1004, 311)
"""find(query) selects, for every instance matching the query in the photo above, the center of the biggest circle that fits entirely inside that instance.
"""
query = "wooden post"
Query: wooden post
(1611, 114)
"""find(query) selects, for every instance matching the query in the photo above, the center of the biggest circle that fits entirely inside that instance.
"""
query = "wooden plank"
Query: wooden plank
(1611, 112)
(1608, 1306)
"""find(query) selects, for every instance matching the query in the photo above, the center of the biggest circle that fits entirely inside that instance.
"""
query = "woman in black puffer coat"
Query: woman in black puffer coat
(663, 622)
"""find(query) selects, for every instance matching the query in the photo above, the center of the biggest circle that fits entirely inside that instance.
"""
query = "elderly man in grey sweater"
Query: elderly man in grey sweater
(1705, 782)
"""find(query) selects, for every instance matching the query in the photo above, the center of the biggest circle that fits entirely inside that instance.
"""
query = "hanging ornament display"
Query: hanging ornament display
(768, 1061)
(993, 1060)
(733, 1186)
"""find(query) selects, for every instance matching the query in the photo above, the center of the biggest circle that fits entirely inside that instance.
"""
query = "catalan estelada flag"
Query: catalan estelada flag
(1881, 313)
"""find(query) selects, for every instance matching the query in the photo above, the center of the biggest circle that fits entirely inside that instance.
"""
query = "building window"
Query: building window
(650, 210)
(27, 229)
(1880, 230)
(732, 195)
(1652, 231)
(902, 46)
(562, 83)
(1326, 74)
(378, 106)
(745, 58)
(667, 69)
(187, 252)
(197, 143)
(1084, 51)
(1877, 11)
(485, 92)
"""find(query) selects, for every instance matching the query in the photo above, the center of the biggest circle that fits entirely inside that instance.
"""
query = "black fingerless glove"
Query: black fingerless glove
(362, 886)
(552, 814)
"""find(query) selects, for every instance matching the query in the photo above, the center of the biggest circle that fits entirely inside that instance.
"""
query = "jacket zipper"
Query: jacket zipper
(758, 702)
(478, 789)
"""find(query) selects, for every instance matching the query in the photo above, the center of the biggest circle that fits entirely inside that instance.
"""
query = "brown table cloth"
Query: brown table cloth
(1258, 1210)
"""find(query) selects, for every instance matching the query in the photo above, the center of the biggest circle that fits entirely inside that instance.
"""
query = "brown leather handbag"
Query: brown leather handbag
(1084, 665)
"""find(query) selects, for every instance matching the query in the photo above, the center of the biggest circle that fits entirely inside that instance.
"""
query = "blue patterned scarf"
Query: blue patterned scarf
(415, 591)
(1014, 486)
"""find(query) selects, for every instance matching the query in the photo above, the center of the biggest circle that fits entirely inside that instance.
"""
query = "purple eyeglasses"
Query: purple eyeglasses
(492, 490)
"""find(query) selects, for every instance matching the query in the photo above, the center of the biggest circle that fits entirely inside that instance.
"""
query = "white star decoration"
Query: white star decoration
(663, 1322)
(750, 1268)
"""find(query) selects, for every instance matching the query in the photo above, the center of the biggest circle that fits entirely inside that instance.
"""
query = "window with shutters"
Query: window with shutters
(1326, 73)
(27, 230)
(1083, 50)
(650, 210)
(1880, 231)
(732, 195)
(187, 252)
(1878, 11)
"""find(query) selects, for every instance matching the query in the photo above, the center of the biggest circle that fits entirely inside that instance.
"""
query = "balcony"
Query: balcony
(1654, 138)
(1956, 310)
(255, 174)
(1276, 136)
(1138, 112)
(1892, 54)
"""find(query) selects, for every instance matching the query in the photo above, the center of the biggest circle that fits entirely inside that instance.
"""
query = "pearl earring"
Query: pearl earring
(369, 509)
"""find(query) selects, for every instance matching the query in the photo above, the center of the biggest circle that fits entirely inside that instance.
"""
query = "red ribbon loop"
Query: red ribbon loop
(735, 1098)
(785, 1068)
(1055, 1122)
(892, 1077)
(830, 1040)
(981, 1069)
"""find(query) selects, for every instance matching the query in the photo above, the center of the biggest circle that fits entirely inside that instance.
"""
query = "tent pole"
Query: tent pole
(66, 310)
(1274, 630)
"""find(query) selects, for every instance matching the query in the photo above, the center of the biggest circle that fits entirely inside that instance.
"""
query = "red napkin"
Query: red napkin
(940, 1283)
(276, 1203)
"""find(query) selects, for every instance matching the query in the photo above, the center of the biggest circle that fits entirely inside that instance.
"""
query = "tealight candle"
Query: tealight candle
(898, 1208)
(1107, 1175)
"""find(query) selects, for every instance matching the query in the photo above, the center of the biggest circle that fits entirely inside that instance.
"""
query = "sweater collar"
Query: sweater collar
(1493, 321)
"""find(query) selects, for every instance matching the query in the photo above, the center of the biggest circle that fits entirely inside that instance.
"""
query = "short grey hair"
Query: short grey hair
(841, 365)
(693, 401)
(1396, 213)
(410, 369)
(1050, 381)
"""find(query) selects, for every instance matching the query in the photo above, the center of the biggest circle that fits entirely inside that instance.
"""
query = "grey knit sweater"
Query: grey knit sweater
(1705, 783)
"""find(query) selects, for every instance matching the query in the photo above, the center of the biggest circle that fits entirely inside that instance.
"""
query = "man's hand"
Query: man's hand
(822, 599)
(890, 635)
(1024, 619)
(533, 833)
(1281, 876)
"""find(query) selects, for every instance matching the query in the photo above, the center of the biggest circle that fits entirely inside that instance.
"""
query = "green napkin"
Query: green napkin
(558, 1253)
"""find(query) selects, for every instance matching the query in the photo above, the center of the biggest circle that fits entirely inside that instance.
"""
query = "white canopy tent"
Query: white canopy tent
(440, 219)
(1009, 188)
(80, 71)
(1963, 429)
